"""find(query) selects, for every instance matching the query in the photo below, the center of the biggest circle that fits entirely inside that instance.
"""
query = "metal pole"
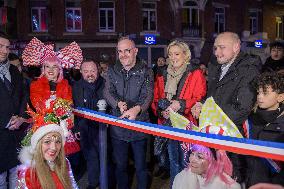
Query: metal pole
(103, 147)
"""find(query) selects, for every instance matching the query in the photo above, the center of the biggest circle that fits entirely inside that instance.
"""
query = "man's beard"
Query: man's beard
(231, 60)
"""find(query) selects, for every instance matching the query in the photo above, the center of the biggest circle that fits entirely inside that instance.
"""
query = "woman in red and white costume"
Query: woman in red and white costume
(44, 165)
(51, 84)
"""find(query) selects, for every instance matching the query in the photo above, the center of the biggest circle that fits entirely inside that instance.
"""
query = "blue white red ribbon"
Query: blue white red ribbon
(244, 146)
(274, 166)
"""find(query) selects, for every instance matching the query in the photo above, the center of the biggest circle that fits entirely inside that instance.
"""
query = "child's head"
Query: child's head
(276, 50)
(270, 90)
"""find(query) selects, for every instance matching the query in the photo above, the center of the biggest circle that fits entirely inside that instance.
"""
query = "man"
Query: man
(128, 90)
(229, 78)
(276, 60)
(161, 62)
(86, 93)
(13, 102)
(103, 68)
(14, 59)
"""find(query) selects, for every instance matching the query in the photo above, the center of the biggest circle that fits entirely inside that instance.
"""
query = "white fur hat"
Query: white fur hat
(26, 153)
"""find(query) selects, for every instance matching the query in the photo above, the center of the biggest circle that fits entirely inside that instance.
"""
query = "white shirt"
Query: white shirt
(188, 180)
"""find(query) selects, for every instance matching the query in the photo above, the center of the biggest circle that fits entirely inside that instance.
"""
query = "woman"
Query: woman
(44, 163)
(207, 169)
(177, 88)
(51, 85)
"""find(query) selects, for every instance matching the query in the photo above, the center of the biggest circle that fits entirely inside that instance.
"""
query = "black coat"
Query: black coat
(86, 96)
(234, 93)
(134, 87)
(268, 126)
(13, 103)
(271, 65)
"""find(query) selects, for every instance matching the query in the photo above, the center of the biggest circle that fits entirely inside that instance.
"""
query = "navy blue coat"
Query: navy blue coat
(89, 102)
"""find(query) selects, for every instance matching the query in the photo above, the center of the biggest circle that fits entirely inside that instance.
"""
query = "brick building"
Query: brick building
(97, 24)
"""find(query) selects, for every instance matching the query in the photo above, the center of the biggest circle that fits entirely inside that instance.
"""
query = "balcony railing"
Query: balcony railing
(191, 31)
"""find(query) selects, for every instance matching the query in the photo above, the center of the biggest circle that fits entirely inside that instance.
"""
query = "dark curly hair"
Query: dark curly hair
(273, 79)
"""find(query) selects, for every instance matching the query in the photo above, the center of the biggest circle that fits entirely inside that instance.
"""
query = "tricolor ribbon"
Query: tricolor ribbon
(244, 146)
(274, 166)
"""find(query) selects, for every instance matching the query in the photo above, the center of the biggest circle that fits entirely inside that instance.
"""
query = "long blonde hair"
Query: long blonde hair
(43, 172)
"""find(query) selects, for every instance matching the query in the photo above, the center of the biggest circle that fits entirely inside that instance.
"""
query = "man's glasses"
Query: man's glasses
(125, 51)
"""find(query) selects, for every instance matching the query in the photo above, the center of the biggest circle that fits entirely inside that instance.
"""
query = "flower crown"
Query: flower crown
(56, 111)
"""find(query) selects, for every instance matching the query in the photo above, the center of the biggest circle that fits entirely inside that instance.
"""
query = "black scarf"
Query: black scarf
(273, 65)
(263, 117)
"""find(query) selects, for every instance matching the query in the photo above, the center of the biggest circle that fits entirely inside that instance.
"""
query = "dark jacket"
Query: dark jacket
(86, 95)
(134, 87)
(271, 65)
(234, 93)
(268, 126)
(13, 103)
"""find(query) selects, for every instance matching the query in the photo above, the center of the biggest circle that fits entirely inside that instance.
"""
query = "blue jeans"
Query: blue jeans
(120, 154)
(89, 146)
(176, 156)
(13, 177)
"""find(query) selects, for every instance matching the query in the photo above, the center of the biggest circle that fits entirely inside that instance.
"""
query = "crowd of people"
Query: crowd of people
(43, 150)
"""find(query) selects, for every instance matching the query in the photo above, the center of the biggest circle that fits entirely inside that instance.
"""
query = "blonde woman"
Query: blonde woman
(178, 87)
(44, 165)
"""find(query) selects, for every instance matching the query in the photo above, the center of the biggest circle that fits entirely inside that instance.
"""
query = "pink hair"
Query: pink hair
(52, 59)
(217, 165)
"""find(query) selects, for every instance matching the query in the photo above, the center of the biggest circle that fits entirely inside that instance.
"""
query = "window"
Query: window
(106, 16)
(279, 27)
(3, 16)
(190, 19)
(73, 16)
(149, 14)
(39, 19)
(73, 20)
(190, 14)
(219, 20)
(253, 20)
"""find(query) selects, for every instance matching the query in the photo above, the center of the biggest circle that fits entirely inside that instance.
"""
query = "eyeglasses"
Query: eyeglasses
(7, 47)
(125, 51)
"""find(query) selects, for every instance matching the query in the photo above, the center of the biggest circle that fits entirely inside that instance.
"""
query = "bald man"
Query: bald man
(229, 82)
(129, 92)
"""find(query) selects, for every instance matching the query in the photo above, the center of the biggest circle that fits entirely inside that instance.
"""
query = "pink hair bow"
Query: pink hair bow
(36, 52)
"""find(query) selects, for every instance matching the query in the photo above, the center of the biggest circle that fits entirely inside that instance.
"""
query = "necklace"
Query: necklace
(51, 165)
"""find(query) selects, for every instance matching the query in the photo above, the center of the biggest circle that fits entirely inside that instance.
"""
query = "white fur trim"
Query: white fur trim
(25, 155)
(43, 130)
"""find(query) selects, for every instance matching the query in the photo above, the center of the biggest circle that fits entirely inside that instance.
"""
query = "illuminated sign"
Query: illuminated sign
(258, 43)
(150, 39)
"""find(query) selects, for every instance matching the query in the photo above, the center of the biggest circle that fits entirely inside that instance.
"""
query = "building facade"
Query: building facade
(97, 24)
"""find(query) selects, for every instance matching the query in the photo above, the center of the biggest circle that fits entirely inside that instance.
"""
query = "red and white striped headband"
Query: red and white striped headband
(36, 52)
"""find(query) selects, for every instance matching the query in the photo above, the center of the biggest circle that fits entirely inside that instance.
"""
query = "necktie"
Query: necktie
(7, 84)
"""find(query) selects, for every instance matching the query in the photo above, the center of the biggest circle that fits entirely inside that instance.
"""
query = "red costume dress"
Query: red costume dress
(40, 93)
(29, 180)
